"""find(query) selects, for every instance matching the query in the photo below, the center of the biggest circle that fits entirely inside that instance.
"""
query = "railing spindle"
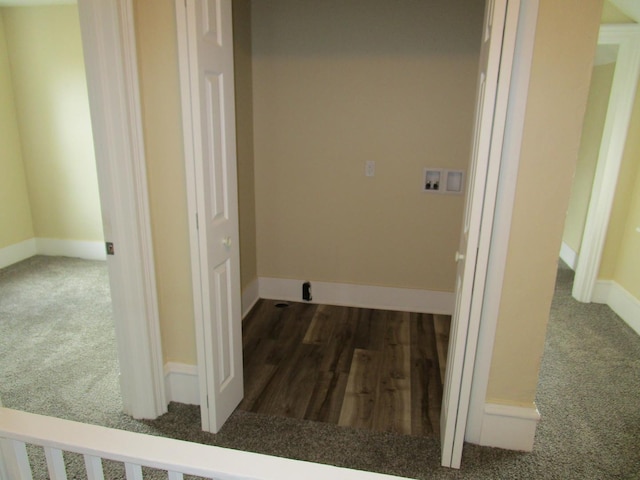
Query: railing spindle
(18, 465)
(55, 463)
(94, 467)
(134, 472)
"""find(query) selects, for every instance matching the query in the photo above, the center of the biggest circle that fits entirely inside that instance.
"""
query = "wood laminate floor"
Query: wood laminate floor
(372, 369)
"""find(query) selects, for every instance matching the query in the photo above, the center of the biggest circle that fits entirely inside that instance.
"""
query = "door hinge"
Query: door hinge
(197, 223)
(207, 401)
(110, 249)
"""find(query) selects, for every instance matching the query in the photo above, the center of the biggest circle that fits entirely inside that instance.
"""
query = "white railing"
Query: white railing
(135, 450)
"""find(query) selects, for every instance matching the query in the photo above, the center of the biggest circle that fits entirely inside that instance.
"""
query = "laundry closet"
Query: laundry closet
(341, 106)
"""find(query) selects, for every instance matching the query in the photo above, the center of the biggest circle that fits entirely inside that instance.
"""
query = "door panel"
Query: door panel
(451, 425)
(211, 103)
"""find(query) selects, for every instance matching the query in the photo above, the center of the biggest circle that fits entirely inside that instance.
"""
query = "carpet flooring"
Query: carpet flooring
(58, 359)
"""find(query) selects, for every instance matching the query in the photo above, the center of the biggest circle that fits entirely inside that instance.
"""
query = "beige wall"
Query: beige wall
(160, 90)
(612, 14)
(588, 154)
(52, 108)
(556, 105)
(15, 212)
(628, 265)
(336, 84)
(244, 139)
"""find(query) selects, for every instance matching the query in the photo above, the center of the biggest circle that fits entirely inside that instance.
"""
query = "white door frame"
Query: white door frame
(614, 137)
(505, 196)
(108, 40)
(464, 378)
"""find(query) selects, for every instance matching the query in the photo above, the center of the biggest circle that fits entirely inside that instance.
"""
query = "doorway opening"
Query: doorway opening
(210, 192)
(600, 222)
(56, 299)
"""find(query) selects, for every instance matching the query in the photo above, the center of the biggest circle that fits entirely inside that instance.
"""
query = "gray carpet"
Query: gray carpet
(57, 358)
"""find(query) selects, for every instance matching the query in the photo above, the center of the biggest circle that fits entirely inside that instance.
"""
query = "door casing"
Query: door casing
(108, 39)
(614, 137)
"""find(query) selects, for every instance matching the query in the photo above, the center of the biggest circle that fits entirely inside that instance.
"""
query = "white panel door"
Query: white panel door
(452, 419)
(208, 31)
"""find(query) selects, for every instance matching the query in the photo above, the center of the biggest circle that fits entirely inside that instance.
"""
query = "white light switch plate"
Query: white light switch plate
(370, 168)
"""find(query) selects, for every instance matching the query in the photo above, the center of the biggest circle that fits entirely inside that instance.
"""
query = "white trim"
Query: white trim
(145, 240)
(614, 137)
(506, 188)
(17, 252)
(71, 248)
(361, 296)
(620, 301)
(601, 291)
(509, 427)
(181, 383)
(250, 296)
(108, 40)
(568, 256)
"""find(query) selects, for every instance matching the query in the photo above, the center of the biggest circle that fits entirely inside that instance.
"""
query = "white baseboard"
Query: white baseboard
(17, 252)
(250, 295)
(568, 256)
(71, 248)
(619, 300)
(181, 383)
(601, 291)
(509, 427)
(53, 247)
(362, 296)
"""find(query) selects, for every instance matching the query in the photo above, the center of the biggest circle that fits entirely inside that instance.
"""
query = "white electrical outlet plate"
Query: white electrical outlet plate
(370, 168)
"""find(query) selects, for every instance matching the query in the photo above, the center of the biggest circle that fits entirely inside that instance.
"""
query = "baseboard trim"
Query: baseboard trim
(71, 248)
(17, 252)
(568, 256)
(509, 427)
(601, 291)
(361, 296)
(619, 300)
(181, 383)
(250, 295)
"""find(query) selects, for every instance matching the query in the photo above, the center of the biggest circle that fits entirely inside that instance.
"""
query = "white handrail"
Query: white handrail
(164, 453)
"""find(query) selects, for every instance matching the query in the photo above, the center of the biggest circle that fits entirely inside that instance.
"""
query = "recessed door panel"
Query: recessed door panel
(216, 148)
(224, 323)
(211, 18)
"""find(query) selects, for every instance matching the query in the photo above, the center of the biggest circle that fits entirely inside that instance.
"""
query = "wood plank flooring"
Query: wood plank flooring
(371, 369)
